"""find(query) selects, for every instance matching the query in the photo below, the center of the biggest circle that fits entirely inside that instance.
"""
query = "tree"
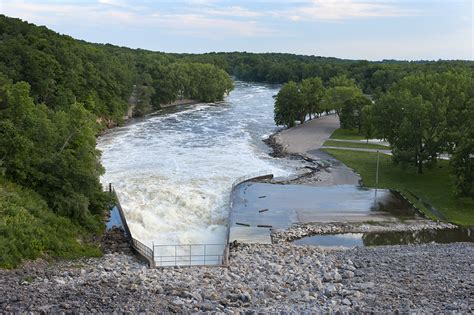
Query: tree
(313, 91)
(335, 97)
(142, 95)
(404, 120)
(367, 128)
(53, 153)
(289, 104)
(351, 112)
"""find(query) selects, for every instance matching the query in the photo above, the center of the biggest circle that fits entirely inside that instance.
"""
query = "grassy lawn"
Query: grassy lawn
(362, 145)
(435, 186)
(346, 134)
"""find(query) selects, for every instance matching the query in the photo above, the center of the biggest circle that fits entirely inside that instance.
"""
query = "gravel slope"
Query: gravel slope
(427, 278)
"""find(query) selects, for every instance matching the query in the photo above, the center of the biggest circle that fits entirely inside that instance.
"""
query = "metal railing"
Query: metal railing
(186, 254)
(143, 251)
(173, 255)
(142, 248)
(189, 255)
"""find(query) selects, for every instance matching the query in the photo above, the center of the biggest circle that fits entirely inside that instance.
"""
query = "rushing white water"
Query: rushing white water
(173, 172)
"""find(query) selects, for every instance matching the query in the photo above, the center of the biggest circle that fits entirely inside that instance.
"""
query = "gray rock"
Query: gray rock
(346, 301)
(330, 290)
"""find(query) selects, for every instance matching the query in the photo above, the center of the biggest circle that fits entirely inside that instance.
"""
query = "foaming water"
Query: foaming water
(173, 172)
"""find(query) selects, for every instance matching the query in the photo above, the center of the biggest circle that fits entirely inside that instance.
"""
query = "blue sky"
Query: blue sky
(373, 30)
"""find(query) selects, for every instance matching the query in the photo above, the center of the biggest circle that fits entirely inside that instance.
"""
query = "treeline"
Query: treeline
(422, 116)
(372, 77)
(62, 71)
(310, 98)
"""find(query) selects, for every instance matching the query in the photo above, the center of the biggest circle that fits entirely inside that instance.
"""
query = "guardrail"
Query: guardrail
(185, 254)
(141, 250)
(173, 255)
(189, 255)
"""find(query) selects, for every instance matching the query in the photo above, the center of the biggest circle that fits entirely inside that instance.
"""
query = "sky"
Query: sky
(352, 29)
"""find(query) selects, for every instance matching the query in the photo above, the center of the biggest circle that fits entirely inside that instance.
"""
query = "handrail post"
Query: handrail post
(153, 253)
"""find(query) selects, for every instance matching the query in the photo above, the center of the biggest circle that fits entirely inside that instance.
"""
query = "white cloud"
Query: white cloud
(234, 11)
(334, 10)
(212, 27)
(116, 13)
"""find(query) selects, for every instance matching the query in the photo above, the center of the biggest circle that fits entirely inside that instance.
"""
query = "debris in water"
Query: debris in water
(243, 224)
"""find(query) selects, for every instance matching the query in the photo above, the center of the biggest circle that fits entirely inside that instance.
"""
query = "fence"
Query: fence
(173, 255)
(141, 250)
(189, 255)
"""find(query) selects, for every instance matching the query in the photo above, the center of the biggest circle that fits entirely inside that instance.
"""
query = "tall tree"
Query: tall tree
(351, 112)
(405, 126)
(313, 91)
(288, 105)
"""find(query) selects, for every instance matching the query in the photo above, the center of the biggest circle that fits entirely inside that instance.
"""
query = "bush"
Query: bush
(29, 229)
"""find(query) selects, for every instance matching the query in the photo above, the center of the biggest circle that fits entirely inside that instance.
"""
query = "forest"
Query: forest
(57, 94)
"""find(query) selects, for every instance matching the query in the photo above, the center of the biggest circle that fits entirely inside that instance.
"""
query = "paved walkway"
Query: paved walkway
(389, 152)
(308, 136)
(371, 141)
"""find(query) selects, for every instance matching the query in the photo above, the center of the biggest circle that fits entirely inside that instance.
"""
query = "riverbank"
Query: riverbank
(260, 278)
(432, 192)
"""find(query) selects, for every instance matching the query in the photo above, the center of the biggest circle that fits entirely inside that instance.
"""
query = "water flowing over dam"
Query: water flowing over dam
(173, 171)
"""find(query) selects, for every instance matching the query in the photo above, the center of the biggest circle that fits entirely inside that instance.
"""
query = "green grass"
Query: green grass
(435, 186)
(362, 145)
(29, 229)
(346, 134)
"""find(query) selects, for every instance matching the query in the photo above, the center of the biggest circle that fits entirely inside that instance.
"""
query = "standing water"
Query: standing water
(173, 172)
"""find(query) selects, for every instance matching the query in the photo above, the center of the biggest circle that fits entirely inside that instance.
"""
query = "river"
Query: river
(173, 171)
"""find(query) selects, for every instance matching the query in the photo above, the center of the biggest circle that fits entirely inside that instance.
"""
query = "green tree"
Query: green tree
(313, 91)
(336, 97)
(351, 112)
(367, 128)
(404, 120)
(288, 104)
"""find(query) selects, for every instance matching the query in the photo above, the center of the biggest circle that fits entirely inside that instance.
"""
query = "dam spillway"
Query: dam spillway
(173, 171)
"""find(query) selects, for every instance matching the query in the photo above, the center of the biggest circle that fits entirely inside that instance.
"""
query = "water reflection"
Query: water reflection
(390, 238)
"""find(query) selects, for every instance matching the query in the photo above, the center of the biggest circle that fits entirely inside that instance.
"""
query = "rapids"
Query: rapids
(173, 171)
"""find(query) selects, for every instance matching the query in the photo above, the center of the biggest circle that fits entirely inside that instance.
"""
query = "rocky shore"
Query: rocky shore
(299, 231)
(260, 279)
